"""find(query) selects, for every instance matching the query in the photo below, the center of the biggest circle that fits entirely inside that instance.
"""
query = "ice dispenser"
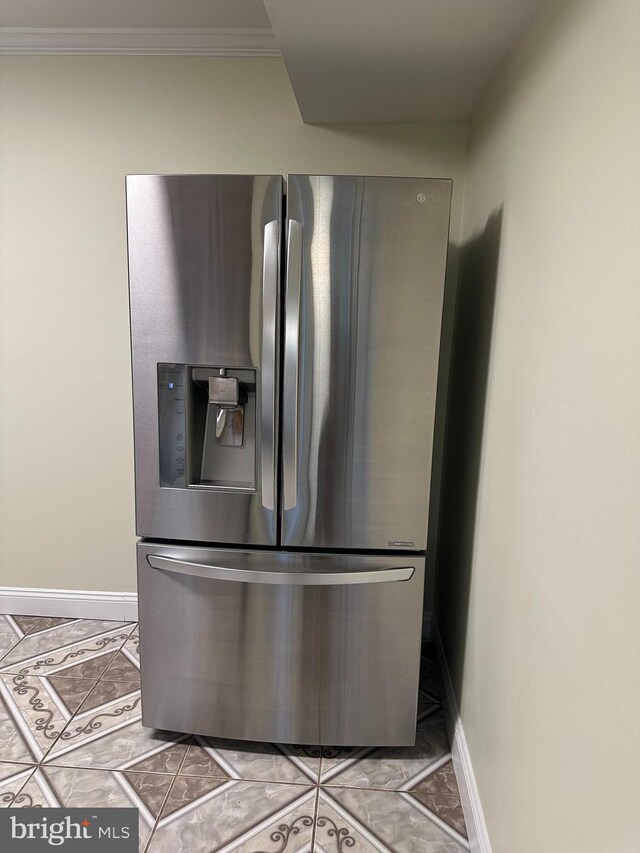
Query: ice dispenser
(207, 427)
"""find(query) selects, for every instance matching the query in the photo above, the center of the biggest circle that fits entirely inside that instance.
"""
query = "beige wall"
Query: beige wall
(539, 586)
(72, 127)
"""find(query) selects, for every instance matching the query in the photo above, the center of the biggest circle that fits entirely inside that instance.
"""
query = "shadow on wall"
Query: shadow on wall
(467, 327)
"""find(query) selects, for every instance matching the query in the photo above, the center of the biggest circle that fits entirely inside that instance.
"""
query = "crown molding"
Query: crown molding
(136, 42)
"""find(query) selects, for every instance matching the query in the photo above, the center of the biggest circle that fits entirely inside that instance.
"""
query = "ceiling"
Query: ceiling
(393, 60)
(348, 60)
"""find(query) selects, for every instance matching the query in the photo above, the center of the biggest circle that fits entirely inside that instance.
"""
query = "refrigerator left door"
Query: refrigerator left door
(204, 256)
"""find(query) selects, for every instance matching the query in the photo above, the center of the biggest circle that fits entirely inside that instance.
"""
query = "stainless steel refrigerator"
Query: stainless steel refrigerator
(285, 342)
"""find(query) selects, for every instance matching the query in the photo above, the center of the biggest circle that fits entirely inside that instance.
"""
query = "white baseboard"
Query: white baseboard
(469, 795)
(74, 603)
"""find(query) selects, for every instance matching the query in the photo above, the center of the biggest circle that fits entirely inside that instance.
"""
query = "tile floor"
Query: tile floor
(71, 734)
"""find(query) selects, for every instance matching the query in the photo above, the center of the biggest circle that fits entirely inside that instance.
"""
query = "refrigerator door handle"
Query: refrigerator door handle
(227, 573)
(291, 356)
(269, 367)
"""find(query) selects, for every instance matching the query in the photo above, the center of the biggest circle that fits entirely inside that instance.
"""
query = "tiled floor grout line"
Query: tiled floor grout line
(11, 648)
(436, 821)
(169, 789)
(184, 757)
(67, 724)
(315, 815)
(100, 769)
(317, 804)
(356, 820)
(18, 761)
(34, 627)
(284, 782)
(78, 709)
(24, 784)
(26, 633)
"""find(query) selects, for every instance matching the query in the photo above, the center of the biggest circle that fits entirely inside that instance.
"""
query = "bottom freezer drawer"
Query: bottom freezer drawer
(281, 647)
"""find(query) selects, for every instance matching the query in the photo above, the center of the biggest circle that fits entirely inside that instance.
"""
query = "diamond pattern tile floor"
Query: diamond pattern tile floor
(71, 734)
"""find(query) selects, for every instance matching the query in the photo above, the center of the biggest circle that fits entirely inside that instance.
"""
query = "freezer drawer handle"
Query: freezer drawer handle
(226, 573)
(291, 358)
(269, 366)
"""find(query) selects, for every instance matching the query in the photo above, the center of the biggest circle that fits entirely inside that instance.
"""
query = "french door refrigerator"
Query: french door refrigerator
(285, 357)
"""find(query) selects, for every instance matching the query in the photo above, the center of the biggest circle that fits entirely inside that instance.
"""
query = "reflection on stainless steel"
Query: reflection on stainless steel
(270, 331)
(286, 662)
(317, 305)
(193, 250)
(371, 293)
(290, 418)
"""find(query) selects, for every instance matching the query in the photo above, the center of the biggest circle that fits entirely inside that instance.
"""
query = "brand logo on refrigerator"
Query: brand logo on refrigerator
(400, 543)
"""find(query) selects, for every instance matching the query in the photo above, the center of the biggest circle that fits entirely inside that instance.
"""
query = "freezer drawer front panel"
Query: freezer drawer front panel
(287, 648)
(364, 292)
(204, 256)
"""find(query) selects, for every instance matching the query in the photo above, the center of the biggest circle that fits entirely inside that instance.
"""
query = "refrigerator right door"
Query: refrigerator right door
(365, 274)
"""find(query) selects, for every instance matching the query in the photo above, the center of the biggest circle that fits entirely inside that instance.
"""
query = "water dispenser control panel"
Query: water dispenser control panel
(207, 427)
(172, 425)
